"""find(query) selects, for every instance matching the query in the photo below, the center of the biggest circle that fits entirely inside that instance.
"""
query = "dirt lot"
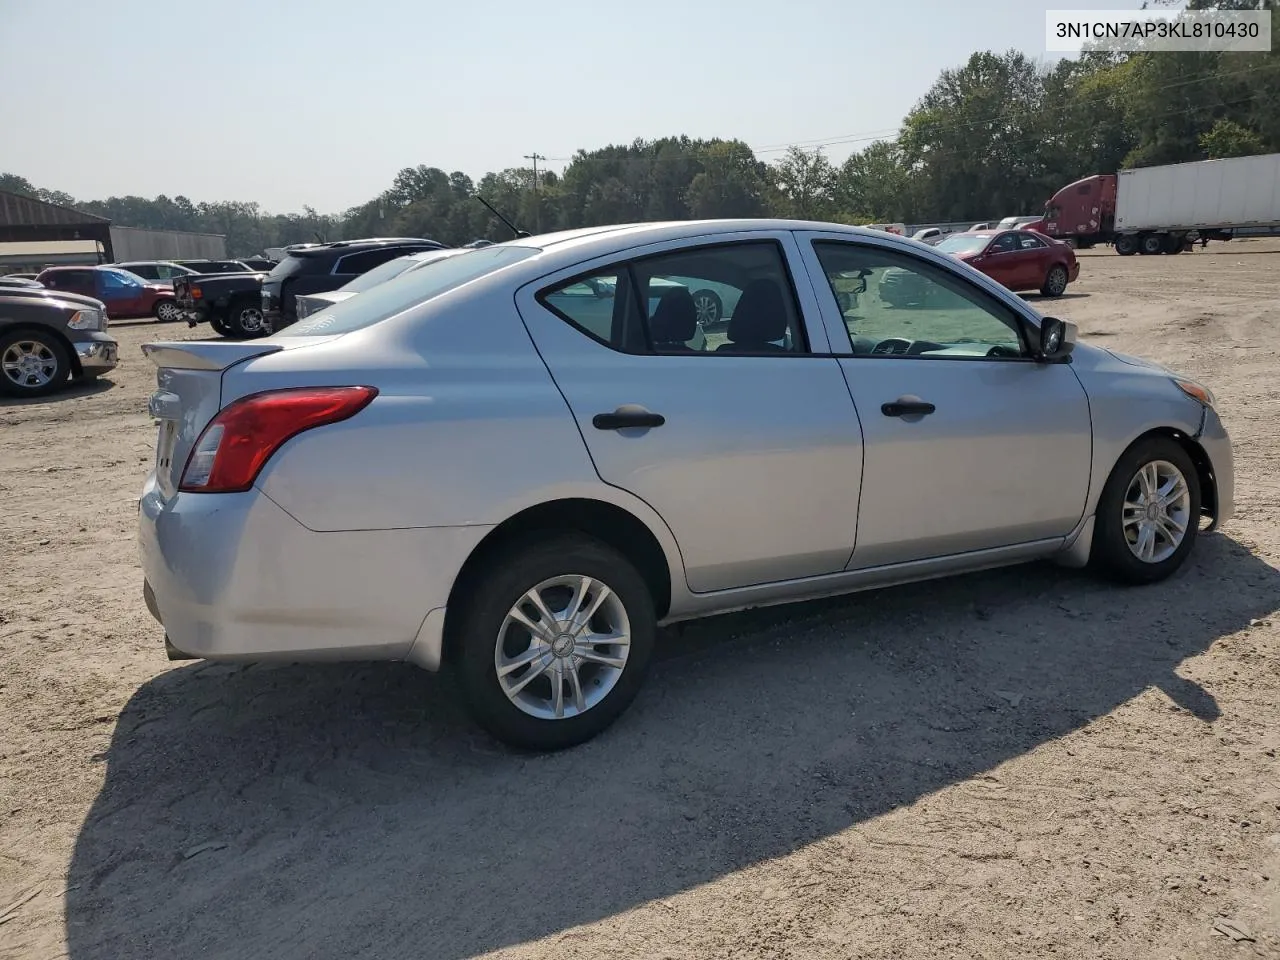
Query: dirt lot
(1017, 764)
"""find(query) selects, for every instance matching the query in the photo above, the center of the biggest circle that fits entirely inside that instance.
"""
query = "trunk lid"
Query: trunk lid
(189, 395)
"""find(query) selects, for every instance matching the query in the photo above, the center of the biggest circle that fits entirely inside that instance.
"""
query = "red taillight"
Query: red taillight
(195, 292)
(236, 444)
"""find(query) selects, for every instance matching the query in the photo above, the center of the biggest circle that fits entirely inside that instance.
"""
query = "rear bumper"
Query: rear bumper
(97, 355)
(234, 577)
(1074, 273)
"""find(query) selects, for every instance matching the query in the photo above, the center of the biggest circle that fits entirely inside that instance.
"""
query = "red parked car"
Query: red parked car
(1018, 259)
(124, 293)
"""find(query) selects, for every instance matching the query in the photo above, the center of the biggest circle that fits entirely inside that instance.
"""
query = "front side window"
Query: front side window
(913, 308)
(731, 298)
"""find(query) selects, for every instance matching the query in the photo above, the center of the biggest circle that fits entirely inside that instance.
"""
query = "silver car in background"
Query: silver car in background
(513, 461)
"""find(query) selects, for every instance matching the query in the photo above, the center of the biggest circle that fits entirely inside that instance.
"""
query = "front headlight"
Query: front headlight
(1196, 391)
(88, 319)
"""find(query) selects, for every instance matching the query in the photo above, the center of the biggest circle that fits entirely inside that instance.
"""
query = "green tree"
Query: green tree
(1229, 139)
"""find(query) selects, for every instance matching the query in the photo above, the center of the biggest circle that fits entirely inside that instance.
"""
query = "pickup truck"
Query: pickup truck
(48, 337)
(230, 302)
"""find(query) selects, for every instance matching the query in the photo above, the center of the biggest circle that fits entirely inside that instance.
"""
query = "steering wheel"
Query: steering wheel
(892, 346)
(1003, 352)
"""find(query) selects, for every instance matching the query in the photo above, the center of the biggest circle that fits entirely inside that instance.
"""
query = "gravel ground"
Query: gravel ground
(1016, 764)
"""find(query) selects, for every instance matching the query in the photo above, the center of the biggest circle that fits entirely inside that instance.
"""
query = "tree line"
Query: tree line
(994, 137)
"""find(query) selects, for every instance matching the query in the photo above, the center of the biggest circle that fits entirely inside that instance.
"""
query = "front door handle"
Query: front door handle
(907, 407)
(627, 415)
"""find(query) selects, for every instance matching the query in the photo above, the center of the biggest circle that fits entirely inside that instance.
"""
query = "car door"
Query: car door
(1037, 258)
(970, 443)
(745, 441)
(121, 297)
(999, 261)
(75, 281)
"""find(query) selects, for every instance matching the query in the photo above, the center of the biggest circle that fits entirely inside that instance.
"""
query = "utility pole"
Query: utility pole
(537, 199)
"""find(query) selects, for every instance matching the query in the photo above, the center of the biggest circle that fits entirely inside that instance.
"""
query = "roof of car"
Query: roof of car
(366, 243)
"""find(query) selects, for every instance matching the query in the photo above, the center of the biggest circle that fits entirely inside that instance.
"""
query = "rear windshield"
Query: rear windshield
(964, 243)
(286, 268)
(407, 290)
(388, 271)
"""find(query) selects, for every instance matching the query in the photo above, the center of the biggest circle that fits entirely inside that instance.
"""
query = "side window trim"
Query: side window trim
(808, 313)
(838, 332)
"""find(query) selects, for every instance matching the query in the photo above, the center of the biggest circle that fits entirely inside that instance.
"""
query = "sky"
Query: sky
(321, 102)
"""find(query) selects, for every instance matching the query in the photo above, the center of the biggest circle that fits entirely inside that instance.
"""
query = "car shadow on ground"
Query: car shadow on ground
(1043, 298)
(352, 810)
(71, 391)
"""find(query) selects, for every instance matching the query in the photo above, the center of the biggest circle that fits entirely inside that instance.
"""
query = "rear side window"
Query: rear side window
(407, 291)
(732, 298)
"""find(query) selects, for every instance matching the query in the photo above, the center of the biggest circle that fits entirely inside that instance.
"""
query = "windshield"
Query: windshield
(407, 290)
(390, 270)
(962, 243)
(127, 278)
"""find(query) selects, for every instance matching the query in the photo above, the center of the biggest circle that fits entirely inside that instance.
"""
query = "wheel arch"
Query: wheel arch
(607, 522)
(1198, 455)
(72, 358)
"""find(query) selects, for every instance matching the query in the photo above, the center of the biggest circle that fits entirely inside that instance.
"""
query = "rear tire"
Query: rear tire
(247, 321)
(1126, 246)
(1055, 284)
(708, 306)
(166, 311)
(32, 363)
(1118, 539)
(490, 630)
(220, 327)
(1150, 244)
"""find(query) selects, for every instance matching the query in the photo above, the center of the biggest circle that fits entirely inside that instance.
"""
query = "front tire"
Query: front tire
(1127, 245)
(553, 641)
(1149, 513)
(32, 363)
(220, 327)
(1055, 284)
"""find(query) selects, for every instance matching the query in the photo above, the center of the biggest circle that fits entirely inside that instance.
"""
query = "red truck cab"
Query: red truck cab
(1084, 211)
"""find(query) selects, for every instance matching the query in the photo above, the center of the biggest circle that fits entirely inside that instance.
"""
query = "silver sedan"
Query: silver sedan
(522, 459)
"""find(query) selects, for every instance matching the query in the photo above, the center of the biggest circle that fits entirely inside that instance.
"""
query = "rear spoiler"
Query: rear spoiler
(204, 354)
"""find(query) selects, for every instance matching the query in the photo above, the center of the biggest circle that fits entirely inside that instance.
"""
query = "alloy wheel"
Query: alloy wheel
(1156, 511)
(29, 364)
(562, 647)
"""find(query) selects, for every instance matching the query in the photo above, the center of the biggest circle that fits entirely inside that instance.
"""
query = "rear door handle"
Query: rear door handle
(907, 407)
(628, 415)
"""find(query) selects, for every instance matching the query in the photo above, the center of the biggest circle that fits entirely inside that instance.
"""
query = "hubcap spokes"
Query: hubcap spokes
(29, 364)
(706, 310)
(562, 647)
(1156, 512)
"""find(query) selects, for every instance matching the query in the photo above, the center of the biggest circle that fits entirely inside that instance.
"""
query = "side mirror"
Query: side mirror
(1057, 339)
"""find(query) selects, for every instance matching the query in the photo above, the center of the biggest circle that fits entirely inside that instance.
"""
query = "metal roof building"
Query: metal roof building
(27, 220)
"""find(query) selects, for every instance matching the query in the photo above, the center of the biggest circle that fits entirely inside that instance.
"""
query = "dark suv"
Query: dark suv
(328, 266)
